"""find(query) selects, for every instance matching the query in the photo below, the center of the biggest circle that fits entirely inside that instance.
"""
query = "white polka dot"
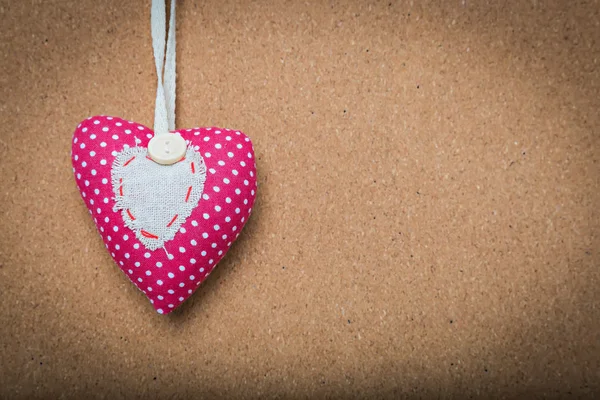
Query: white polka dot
(103, 144)
(76, 157)
(105, 129)
(118, 124)
(140, 280)
(205, 235)
(113, 153)
(216, 189)
(194, 223)
(220, 252)
(92, 136)
(201, 269)
(84, 130)
(170, 256)
(234, 228)
(234, 171)
(159, 282)
(102, 162)
(149, 135)
(192, 277)
(181, 299)
(239, 146)
(243, 218)
(159, 297)
(227, 219)
(205, 216)
(137, 264)
(214, 245)
(226, 181)
(148, 273)
(130, 271)
(82, 145)
(98, 210)
(92, 203)
(224, 237)
(205, 196)
(221, 163)
(230, 154)
(96, 191)
(92, 153)
(216, 227)
(171, 275)
(245, 201)
(228, 138)
(182, 249)
(136, 246)
(78, 176)
(159, 264)
(115, 228)
(160, 311)
(193, 242)
(84, 164)
(243, 163)
(106, 200)
(203, 254)
(181, 268)
(147, 255)
(252, 192)
(104, 180)
(206, 139)
(171, 291)
(106, 219)
(246, 182)
(181, 284)
(141, 128)
(217, 132)
(127, 131)
(210, 261)
(212, 170)
(94, 172)
(207, 154)
(149, 288)
(96, 122)
(237, 210)
(127, 255)
(238, 191)
(217, 208)
(182, 230)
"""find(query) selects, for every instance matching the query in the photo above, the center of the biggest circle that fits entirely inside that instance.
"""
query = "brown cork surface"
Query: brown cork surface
(427, 217)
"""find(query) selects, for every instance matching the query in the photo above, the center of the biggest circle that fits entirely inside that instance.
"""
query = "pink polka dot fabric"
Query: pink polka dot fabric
(170, 274)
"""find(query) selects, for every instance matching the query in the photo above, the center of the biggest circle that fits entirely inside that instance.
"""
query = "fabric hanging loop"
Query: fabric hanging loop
(164, 112)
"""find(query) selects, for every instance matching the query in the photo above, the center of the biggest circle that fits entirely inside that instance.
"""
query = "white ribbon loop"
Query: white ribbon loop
(164, 112)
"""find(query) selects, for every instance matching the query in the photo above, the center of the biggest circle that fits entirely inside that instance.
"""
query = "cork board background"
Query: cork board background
(427, 217)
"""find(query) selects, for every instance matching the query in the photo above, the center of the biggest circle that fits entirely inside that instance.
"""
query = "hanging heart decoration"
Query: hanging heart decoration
(167, 203)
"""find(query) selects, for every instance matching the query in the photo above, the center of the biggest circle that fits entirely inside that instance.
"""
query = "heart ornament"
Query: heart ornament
(166, 226)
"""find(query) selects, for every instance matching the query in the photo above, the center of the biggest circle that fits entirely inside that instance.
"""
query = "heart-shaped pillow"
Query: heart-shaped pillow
(166, 226)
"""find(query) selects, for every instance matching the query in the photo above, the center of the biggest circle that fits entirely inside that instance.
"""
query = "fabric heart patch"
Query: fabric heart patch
(166, 226)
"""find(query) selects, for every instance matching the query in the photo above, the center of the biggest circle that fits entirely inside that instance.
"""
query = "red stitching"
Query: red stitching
(148, 235)
(130, 215)
(187, 196)
(148, 157)
(121, 190)
(193, 169)
(128, 161)
(173, 220)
